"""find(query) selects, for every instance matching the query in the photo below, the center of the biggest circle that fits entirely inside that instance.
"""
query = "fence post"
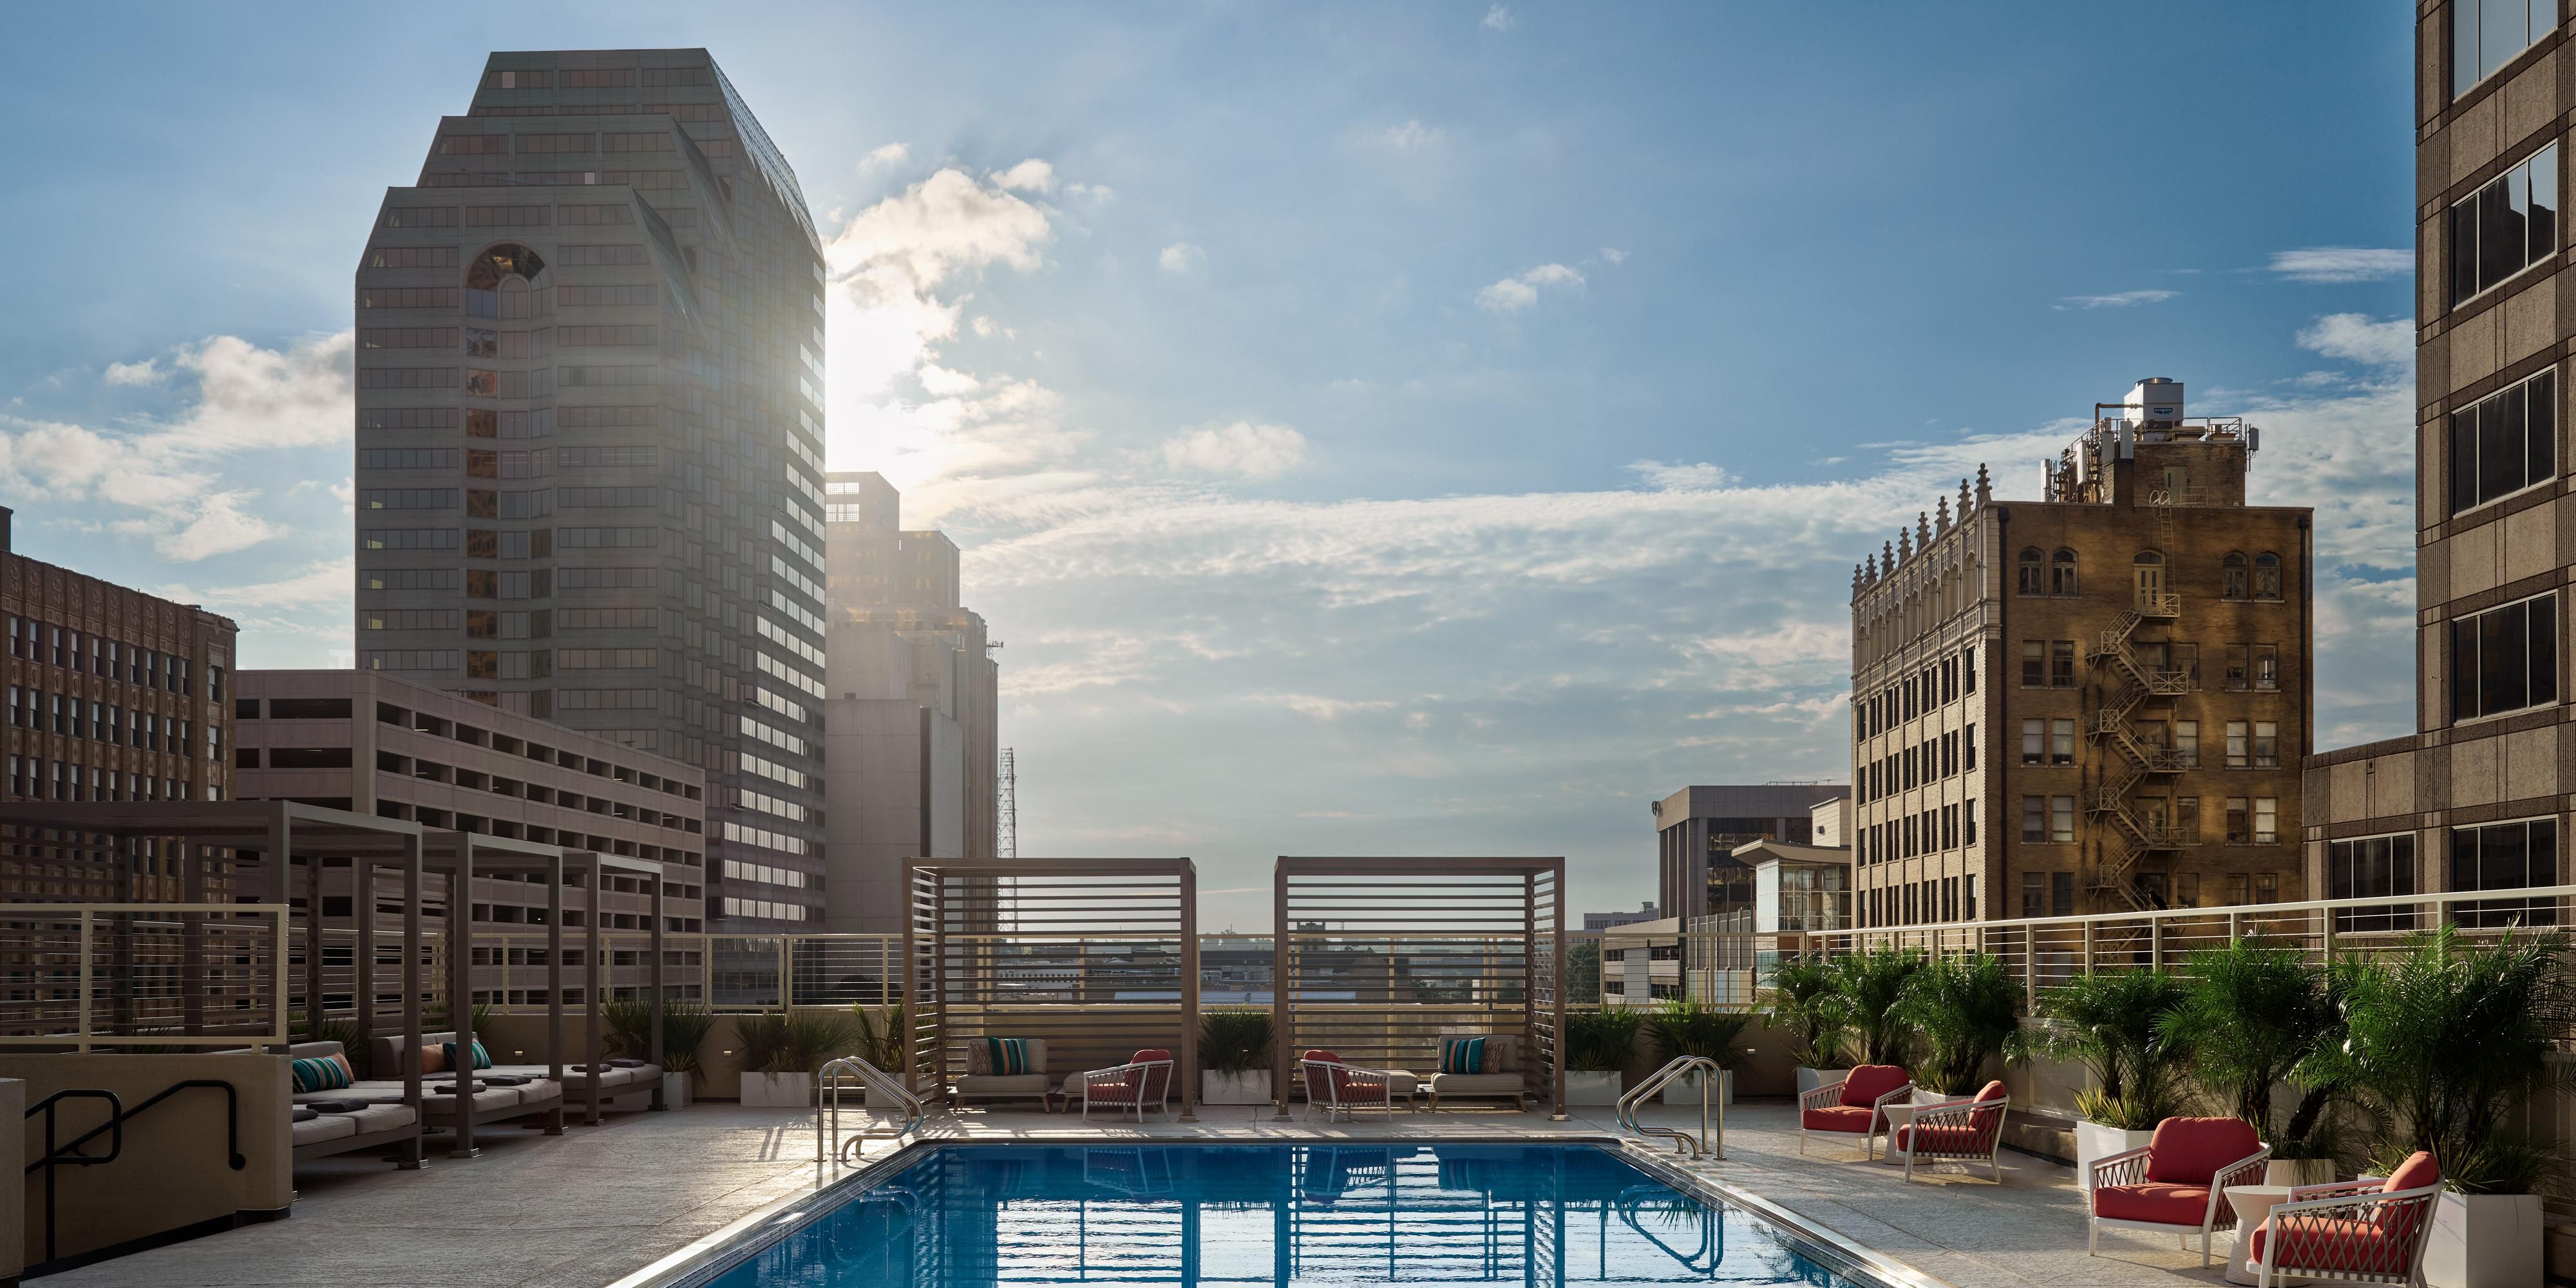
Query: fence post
(2155, 943)
(2088, 945)
(84, 980)
(2235, 928)
(786, 989)
(2030, 967)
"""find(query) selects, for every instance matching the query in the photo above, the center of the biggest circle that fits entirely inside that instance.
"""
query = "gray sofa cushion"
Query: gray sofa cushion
(322, 1127)
(1476, 1084)
(995, 1084)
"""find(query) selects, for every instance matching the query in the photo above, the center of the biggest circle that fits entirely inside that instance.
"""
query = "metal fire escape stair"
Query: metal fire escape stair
(2129, 762)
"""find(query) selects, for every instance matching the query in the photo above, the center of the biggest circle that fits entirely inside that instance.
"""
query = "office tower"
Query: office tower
(2097, 701)
(590, 439)
(373, 744)
(1697, 830)
(910, 724)
(2476, 799)
(114, 695)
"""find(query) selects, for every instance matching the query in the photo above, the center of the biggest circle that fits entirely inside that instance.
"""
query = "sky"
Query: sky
(1420, 429)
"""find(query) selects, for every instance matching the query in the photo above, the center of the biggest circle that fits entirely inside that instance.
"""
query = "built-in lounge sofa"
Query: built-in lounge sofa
(537, 1096)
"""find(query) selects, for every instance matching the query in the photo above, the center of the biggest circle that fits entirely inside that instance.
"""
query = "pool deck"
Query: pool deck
(590, 1207)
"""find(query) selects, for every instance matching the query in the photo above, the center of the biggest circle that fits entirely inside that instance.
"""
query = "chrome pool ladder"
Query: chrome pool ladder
(877, 1083)
(1683, 1143)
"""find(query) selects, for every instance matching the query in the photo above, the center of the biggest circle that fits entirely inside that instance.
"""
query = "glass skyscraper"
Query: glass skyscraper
(590, 440)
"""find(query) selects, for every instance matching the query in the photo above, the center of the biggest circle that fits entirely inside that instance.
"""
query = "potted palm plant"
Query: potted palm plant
(761, 1035)
(1597, 1046)
(1967, 1011)
(684, 1027)
(2257, 1015)
(1866, 986)
(1802, 1002)
(1680, 1027)
(1234, 1057)
(2444, 1043)
(879, 1036)
(2113, 1024)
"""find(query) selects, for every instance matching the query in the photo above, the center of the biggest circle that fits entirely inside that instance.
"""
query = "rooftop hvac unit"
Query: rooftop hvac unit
(2154, 400)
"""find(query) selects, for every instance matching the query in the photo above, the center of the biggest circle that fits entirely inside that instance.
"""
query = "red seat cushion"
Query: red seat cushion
(2325, 1243)
(2418, 1171)
(1837, 1118)
(1994, 1090)
(1867, 1083)
(2160, 1202)
(2189, 1151)
(1941, 1139)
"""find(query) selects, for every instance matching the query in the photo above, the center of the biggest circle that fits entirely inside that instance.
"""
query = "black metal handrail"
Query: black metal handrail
(69, 1155)
(54, 1157)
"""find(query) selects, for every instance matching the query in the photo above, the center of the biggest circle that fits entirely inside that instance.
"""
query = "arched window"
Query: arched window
(506, 265)
(2231, 575)
(2030, 574)
(2061, 573)
(2267, 576)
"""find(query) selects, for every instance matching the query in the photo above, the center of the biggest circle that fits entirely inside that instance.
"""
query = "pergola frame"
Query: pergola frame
(1425, 899)
(959, 910)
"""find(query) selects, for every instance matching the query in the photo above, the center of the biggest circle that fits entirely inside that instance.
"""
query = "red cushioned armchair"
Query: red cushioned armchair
(2370, 1232)
(1144, 1082)
(1959, 1131)
(2178, 1183)
(1852, 1107)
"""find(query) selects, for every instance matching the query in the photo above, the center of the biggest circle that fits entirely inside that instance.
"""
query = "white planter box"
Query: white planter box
(2298, 1171)
(1684, 1093)
(1592, 1086)
(2484, 1241)
(1236, 1087)
(777, 1090)
(1810, 1079)
(675, 1091)
(2095, 1141)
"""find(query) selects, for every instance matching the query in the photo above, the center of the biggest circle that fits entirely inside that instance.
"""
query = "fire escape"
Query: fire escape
(2128, 762)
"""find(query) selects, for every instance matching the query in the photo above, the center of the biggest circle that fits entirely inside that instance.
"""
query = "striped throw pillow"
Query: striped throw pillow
(1463, 1055)
(322, 1073)
(1008, 1056)
(482, 1058)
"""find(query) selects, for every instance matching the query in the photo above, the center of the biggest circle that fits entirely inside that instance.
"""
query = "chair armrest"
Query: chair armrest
(1904, 1091)
(1823, 1097)
(2240, 1172)
(2330, 1189)
(2355, 1203)
(2123, 1168)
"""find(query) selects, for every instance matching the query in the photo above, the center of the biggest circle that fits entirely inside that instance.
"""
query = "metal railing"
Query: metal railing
(874, 1082)
(1679, 1067)
(135, 975)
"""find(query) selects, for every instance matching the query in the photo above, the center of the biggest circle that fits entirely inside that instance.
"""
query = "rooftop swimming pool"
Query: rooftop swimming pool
(1271, 1214)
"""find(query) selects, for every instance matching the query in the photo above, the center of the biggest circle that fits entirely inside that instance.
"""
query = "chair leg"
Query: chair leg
(2093, 1245)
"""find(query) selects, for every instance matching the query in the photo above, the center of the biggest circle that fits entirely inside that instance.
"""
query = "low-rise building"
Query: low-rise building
(367, 742)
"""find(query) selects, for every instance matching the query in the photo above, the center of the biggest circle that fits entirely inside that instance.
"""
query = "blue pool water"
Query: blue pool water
(1278, 1214)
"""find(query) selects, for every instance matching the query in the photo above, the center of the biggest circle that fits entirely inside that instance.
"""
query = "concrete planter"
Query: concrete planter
(2298, 1171)
(777, 1090)
(2094, 1141)
(675, 1091)
(2484, 1241)
(1592, 1086)
(1684, 1092)
(1234, 1086)
(1810, 1079)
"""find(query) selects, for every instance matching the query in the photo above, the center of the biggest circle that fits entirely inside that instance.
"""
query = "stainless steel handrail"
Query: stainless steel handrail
(875, 1082)
(1678, 1067)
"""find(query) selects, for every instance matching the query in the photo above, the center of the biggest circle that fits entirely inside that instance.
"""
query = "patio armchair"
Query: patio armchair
(1854, 1106)
(2370, 1232)
(1960, 1131)
(1339, 1088)
(2177, 1183)
(1146, 1079)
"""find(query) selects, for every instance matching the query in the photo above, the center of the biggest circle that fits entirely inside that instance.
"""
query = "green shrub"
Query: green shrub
(763, 1035)
(1967, 1011)
(883, 1039)
(1680, 1027)
(1234, 1040)
(2257, 1014)
(1600, 1040)
(684, 1029)
(1802, 1002)
(1866, 986)
(812, 1039)
(2113, 1024)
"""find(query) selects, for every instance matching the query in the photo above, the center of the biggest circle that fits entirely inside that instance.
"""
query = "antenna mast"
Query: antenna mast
(1010, 803)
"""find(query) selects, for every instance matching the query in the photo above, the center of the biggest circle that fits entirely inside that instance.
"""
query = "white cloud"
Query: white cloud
(1513, 294)
(2356, 337)
(2120, 299)
(884, 158)
(2342, 264)
(1246, 449)
(1031, 175)
(1411, 136)
(1614, 256)
(1181, 257)
(1318, 707)
(248, 399)
(325, 581)
(146, 372)
(1499, 18)
(1657, 474)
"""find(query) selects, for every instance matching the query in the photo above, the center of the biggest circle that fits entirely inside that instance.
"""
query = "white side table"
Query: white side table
(2252, 1203)
(1899, 1117)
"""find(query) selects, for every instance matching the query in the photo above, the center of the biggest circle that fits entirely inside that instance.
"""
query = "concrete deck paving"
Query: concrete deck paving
(592, 1206)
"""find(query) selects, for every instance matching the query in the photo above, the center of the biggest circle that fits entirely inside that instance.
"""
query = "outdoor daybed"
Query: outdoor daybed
(1499, 1075)
(493, 1101)
(342, 1120)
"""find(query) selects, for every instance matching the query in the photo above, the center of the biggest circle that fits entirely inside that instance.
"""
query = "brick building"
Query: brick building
(2096, 701)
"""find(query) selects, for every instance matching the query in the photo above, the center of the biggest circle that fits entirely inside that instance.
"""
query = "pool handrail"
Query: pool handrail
(873, 1081)
(1678, 1067)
